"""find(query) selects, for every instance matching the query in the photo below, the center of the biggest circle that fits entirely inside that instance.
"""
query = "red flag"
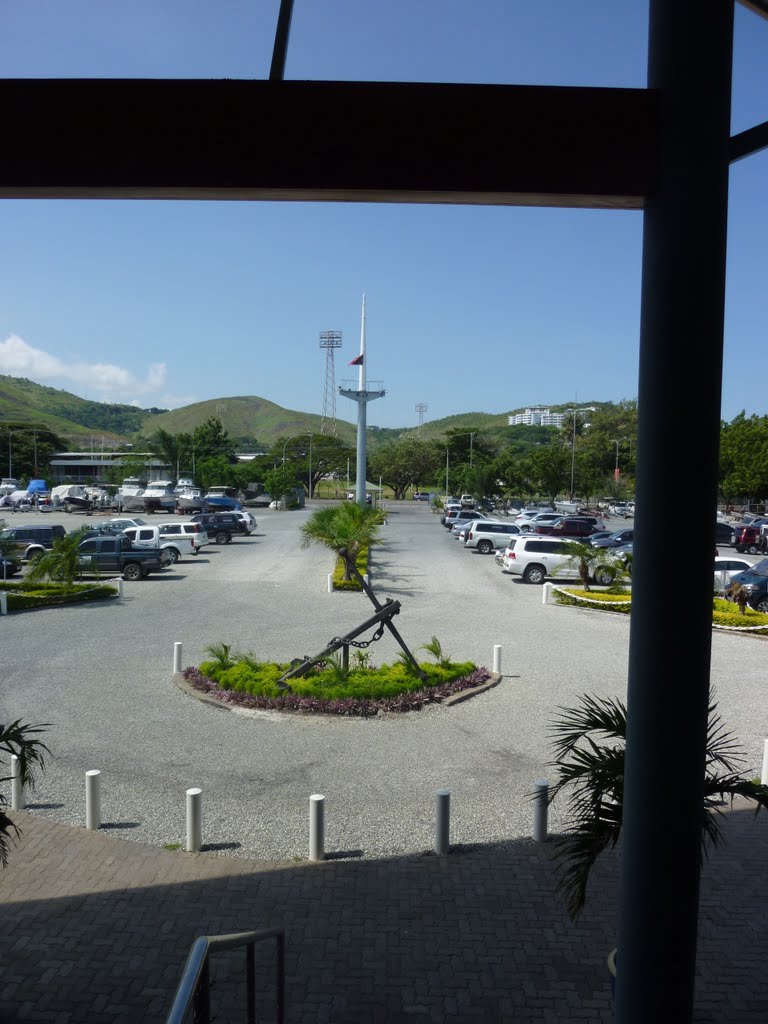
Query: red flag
(357, 361)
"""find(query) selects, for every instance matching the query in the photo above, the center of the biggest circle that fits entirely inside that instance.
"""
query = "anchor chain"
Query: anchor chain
(359, 643)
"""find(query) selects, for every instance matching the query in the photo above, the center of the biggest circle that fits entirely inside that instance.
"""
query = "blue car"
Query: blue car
(755, 582)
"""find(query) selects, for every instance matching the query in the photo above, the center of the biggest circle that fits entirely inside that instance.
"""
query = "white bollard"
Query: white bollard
(330, 582)
(3, 603)
(93, 800)
(764, 776)
(442, 822)
(194, 820)
(177, 655)
(17, 786)
(316, 827)
(365, 577)
(546, 590)
(119, 590)
(540, 809)
(497, 659)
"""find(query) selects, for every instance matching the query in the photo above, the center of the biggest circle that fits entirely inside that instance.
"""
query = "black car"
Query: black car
(613, 540)
(755, 582)
(725, 534)
(220, 526)
(8, 567)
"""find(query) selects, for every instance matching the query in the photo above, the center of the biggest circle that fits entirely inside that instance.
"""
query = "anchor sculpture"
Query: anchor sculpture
(382, 619)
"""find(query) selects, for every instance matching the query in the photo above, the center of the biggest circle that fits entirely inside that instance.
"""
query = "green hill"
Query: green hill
(24, 401)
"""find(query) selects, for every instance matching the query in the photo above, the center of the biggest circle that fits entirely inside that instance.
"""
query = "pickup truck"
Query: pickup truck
(155, 538)
(115, 554)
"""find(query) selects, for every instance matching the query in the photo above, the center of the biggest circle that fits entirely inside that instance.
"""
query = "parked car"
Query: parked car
(152, 537)
(536, 558)
(27, 542)
(421, 496)
(487, 534)
(462, 515)
(248, 521)
(450, 506)
(612, 540)
(755, 581)
(221, 526)
(9, 566)
(725, 534)
(117, 525)
(467, 501)
(748, 539)
(726, 569)
(529, 520)
(194, 531)
(100, 553)
(569, 526)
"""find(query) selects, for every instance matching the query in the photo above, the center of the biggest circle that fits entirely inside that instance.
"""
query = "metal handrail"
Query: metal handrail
(194, 990)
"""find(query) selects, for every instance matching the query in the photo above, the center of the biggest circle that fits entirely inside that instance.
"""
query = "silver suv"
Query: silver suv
(486, 534)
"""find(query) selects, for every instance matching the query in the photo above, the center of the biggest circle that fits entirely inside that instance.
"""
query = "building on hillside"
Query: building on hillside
(92, 467)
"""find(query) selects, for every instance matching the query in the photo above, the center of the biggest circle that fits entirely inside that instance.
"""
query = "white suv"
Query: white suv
(537, 557)
(486, 534)
(528, 521)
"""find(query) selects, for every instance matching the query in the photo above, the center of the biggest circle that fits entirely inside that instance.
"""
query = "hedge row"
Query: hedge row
(45, 595)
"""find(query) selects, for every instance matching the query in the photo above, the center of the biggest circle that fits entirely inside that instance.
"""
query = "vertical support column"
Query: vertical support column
(17, 785)
(316, 827)
(442, 822)
(682, 310)
(177, 656)
(764, 774)
(540, 811)
(93, 800)
(330, 583)
(3, 603)
(194, 820)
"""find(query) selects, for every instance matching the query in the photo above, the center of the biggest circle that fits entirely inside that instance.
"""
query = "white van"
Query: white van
(194, 531)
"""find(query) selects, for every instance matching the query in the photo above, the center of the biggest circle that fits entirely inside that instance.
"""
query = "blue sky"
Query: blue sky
(168, 303)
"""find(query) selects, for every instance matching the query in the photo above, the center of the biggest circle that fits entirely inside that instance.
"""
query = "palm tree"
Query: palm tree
(60, 564)
(586, 559)
(21, 740)
(344, 529)
(589, 744)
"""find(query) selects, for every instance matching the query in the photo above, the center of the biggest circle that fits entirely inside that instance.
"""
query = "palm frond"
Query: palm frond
(20, 739)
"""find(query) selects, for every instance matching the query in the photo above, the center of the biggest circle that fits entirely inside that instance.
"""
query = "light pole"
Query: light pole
(573, 449)
(10, 453)
(447, 489)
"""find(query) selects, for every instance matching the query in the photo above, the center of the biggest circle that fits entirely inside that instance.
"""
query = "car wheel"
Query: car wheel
(222, 537)
(485, 547)
(603, 577)
(753, 549)
(132, 572)
(174, 555)
(762, 605)
(534, 574)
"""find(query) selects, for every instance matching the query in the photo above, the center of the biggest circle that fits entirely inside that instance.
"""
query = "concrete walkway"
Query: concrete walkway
(96, 929)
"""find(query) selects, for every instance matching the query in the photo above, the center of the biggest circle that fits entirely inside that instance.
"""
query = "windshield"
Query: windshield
(759, 568)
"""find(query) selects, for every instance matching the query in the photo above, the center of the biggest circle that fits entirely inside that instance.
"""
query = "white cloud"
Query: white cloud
(110, 382)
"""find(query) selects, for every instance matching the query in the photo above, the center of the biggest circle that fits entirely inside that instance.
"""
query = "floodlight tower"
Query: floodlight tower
(364, 393)
(421, 408)
(330, 341)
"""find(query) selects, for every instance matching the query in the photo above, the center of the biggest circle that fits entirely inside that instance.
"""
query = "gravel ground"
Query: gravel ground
(101, 676)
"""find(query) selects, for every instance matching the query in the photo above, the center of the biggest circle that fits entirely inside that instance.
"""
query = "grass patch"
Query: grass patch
(171, 846)
(45, 595)
(600, 599)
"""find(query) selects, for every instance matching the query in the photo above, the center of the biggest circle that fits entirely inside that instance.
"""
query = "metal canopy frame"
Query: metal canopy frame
(665, 150)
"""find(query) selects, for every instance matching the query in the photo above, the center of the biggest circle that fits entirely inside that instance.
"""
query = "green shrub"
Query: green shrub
(45, 595)
(260, 679)
(725, 613)
(596, 598)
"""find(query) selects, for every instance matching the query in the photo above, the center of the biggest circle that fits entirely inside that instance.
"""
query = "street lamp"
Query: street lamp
(10, 453)
(573, 449)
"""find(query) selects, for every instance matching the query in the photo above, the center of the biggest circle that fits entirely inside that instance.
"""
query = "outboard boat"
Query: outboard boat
(225, 498)
(8, 485)
(189, 499)
(72, 497)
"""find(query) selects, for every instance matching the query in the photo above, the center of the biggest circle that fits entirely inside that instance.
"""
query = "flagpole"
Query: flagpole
(361, 368)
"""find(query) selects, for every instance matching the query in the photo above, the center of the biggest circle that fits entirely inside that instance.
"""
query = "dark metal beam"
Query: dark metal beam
(338, 141)
(750, 141)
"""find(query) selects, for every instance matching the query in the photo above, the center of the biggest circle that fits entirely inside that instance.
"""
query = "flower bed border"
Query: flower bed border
(192, 682)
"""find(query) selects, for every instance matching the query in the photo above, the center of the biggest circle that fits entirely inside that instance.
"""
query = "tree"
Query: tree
(280, 480)
(344, 529)
(210, 439)
(405, 463)
(744, 458)
(589, 746)
(60, 564)
(216, 471)
(548, 469)
(328, 455)
(20, 739)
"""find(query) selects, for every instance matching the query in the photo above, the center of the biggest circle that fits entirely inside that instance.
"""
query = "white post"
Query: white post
(93, 800)
(546, 592)
(497, 659)
(17, 786)
(194, 820)
(3, 603)
(540, 808)
(177, 657)
(442, 822)
(119, 590)
(316, 827)
(365, 577)
(764, 776)
(330, 582)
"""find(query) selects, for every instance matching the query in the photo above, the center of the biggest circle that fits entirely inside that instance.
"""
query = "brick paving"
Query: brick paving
(96, 929)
